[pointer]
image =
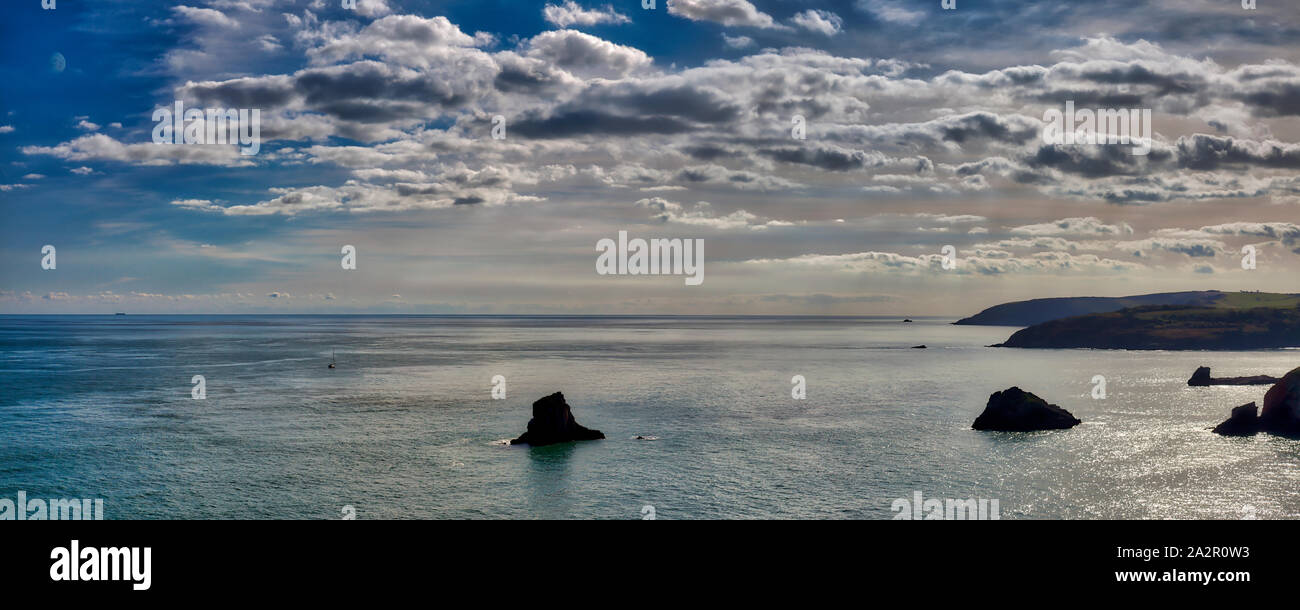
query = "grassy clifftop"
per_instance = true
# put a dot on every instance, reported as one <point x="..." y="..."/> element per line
<point x="1249" y="300"/>
<point x="1036" y="311"/>
<point x="1234" y="321"/>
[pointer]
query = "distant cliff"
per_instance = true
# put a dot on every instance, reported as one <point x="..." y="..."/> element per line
<point x="1036" y="311"/>
<point x="1177" y="327"/>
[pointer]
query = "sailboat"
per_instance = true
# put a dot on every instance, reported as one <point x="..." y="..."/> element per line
<point x="331" y="358"/>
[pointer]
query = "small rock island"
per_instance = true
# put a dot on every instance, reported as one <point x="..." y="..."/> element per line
<point x="1015" y="410"/>
<point x="1202" y="378"/>
<point x="552" y="423"/>
<point x="1244" y="421"/>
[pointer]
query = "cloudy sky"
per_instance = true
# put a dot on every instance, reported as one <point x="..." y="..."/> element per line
<point x="923" y="129"/>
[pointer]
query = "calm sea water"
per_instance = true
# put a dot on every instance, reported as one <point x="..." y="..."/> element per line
<point x="405" y="427"/>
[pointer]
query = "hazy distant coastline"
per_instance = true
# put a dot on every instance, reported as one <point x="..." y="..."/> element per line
<point x="1207" y="320"/>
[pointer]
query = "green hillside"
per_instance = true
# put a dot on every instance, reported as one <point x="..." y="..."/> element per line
<point x="1236" y="321"/>
<point x="1249" y="300"/>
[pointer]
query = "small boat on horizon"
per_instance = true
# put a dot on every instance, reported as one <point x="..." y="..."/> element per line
<point x="331" y="358"/>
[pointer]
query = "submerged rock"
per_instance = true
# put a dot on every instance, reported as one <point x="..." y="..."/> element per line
<point x="1016" y="410"/>
<point x="1202" y="378"/>
<point x="1280" y="415"/>
<point x="552" y="423"/>
<point x="1244" y="421"/>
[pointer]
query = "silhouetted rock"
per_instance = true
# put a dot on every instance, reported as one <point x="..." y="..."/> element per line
<point x="1281" y="412"/>
<point x="1244" y="421"/>
<point x="1202" y="378"/>
<point x="918" y="347"/>
<point x="907" y="320"/>
<point x="1280" y="415"/>
<point x="552" y="423"/>
<point x="1016" y="410"/>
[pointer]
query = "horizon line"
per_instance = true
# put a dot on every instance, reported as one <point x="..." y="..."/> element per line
<point x="502" y="315"/>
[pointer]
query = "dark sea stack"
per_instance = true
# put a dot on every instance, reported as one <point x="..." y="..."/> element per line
<point x="1015" y="410"/>
<point x="552" y="423"/>
<point x="1202" y="378"/>
<point x="1244" y="421"/>
<point x="1281" y="412"/>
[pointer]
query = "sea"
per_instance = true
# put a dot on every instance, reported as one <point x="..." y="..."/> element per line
<point x="406" y="426"/>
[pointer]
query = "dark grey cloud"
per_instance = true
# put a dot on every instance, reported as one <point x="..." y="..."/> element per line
<point x="1091" y="97"/>
<point x="1207" y="152"/>
<point x="971" y="131"/>
<point x="985" y="125"/>
<point x="1280" y="99"/>
<point x="593" y="123"/>
<point x="1165" y="83"/>
<point x="1095" y="161"/>
<point x="263" y="92"/>
<point x="527" y="76"/>
<point x="689" y="102"/>
<point x="822" y="157"/>
<point x="709" y="152"/>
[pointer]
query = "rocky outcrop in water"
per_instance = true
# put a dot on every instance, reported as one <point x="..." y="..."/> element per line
<point x="1280" y="415"/>
<point x="552" y="423"/>
<point x="1244" y="421"/>
<point x="1015" y="410"/>
<point x="1202" y="378"/>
